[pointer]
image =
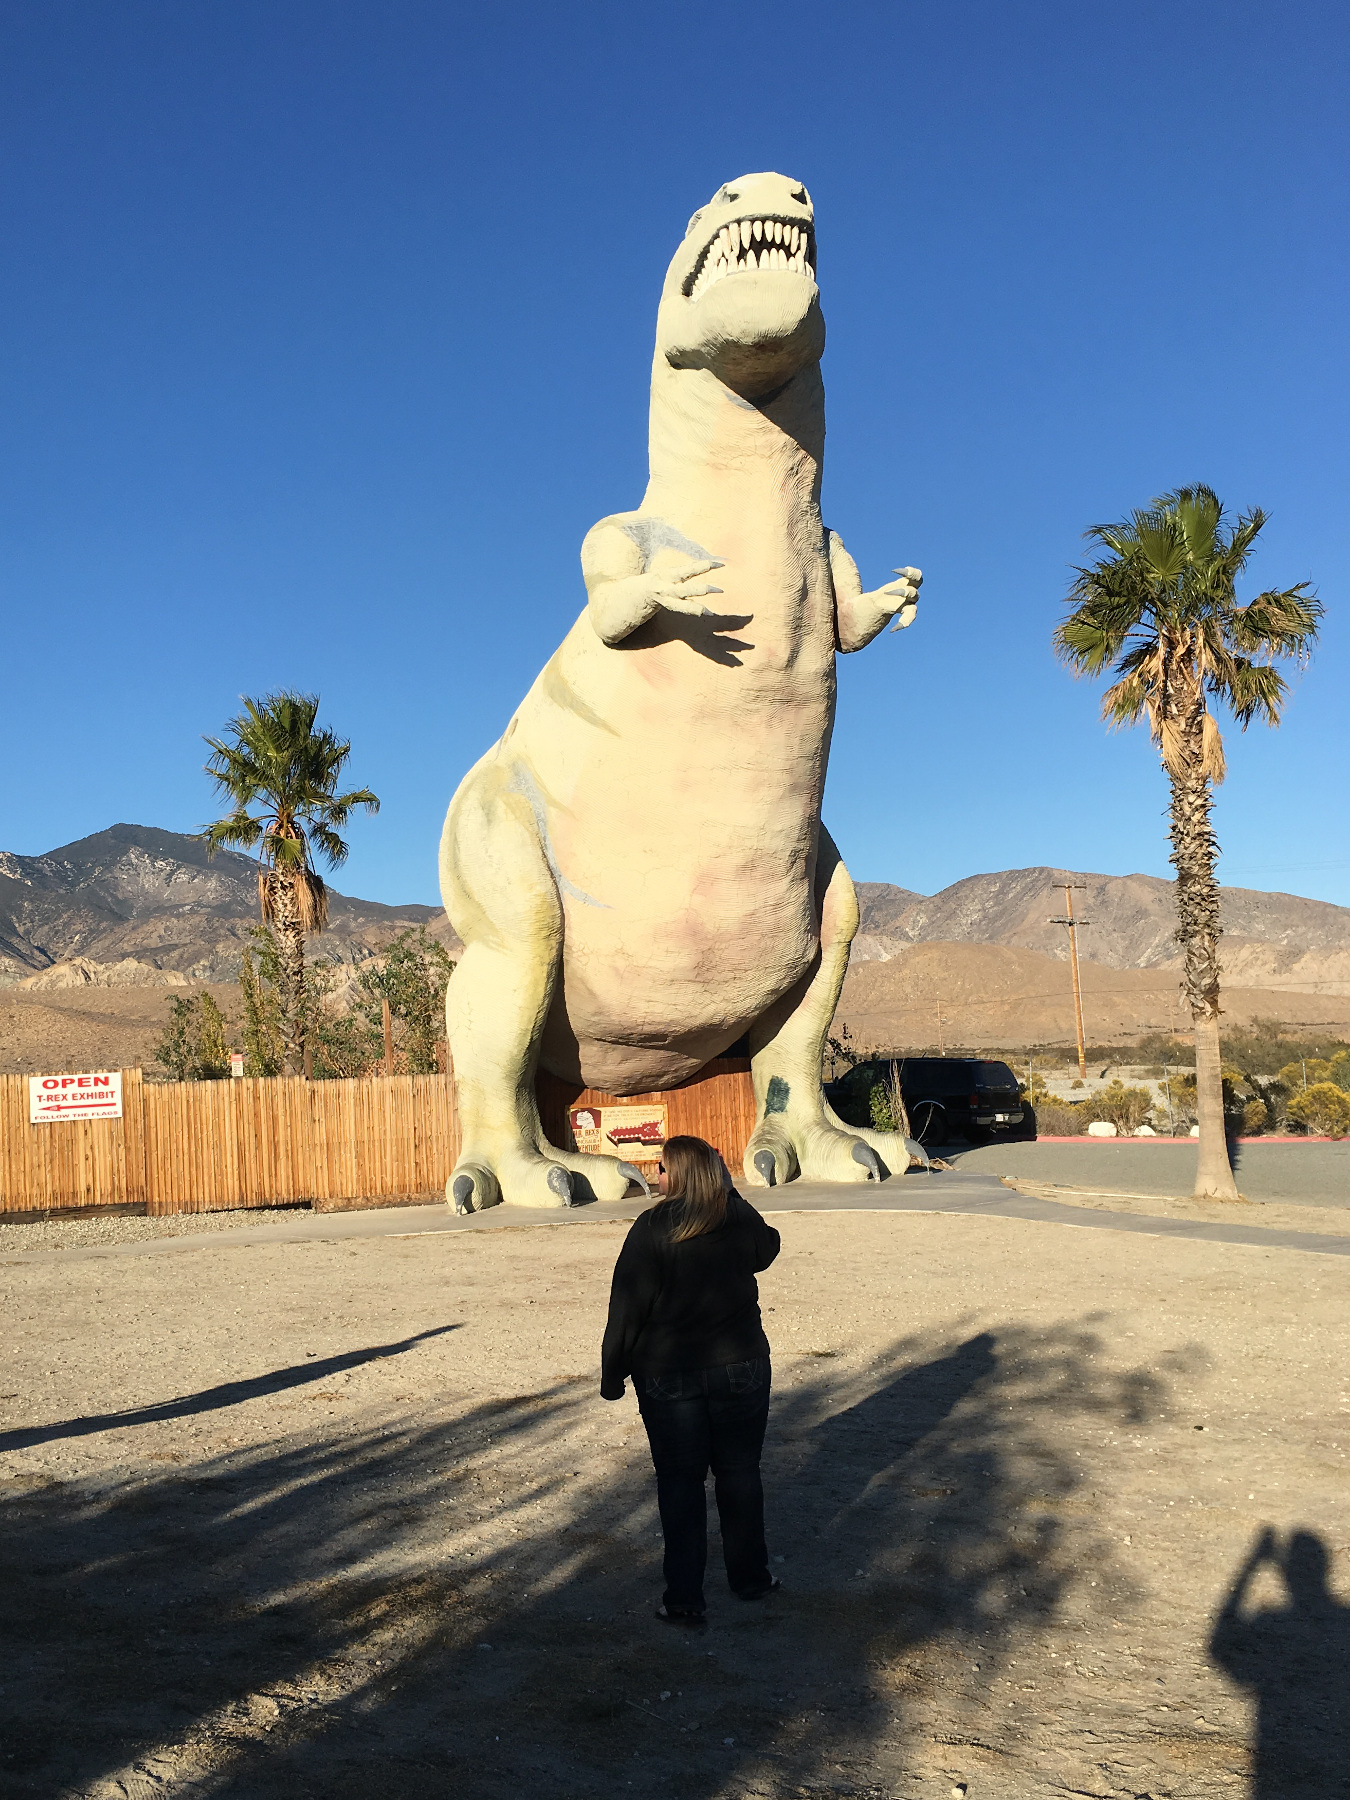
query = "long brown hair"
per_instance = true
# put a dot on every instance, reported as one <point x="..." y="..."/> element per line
<point x="699" y="1200"/>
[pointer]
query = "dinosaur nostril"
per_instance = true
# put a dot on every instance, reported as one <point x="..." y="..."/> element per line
<point x="801" y="196"/>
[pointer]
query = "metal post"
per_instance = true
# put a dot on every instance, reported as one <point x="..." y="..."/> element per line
<point x="386" y="1020"/>
<point x="1171" y="1117"/>
<point x="941" y="1050"/>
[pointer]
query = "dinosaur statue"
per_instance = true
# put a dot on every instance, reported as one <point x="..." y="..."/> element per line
<point x="638" y="867"/>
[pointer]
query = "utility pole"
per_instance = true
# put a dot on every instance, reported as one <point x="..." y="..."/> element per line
<point x="938" y="1007"/>
<point x="387" y="1022"/>
<point x="1073" y="925"/>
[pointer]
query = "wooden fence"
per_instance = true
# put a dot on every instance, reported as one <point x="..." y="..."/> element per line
<point x="209" y="1146"/>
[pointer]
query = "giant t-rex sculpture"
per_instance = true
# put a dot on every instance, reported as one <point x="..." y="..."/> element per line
<point x="638" y="867"/>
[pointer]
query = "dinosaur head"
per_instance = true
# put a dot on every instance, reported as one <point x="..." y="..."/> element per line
<point x="740" y="297"/>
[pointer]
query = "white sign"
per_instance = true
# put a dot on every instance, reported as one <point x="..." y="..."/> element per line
<point x="70" y="1098"/>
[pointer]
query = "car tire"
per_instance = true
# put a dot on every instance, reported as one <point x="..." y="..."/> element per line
<point x="928" y="1122"/>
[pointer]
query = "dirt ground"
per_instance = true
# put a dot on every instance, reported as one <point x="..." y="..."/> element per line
<point x="350" y="1519"/>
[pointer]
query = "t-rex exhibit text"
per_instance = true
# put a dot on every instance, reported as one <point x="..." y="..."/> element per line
<point x="638" y="867"/>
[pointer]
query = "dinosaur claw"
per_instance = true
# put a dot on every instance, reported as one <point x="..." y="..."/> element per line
<point x="765" y="1164"/>
<point x="561" y="1183"/>
<point x="633" y="1173"/>
<point x="867" y="1156"/>
<point x="461" y="1189"/>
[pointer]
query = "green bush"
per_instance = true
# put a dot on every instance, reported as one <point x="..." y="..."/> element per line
<point x="1324" y="1111"/>
<point x="412" y="976"/>
<point x="195" y="1046"/>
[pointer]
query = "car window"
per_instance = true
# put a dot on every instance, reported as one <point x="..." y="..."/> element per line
<point x="930" y="1075"/>
<point x="995" y="1075"/>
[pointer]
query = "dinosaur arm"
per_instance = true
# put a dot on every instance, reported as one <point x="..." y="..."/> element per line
<point x="858" y="617"/>
<point x="623" y="594"/>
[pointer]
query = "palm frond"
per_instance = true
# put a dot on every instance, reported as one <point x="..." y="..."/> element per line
<point x="1255" y="690"/>
<point x="1280" y="622"/>
<point x="240" y="831"/>
<point x="1211" y="751"/>
<point x="1127" y="701"/>
<point x="273" y="758"/>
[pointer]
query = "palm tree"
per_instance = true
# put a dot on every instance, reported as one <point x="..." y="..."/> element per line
<point x="1160" y="609"/>
<point x="273" y="759"/>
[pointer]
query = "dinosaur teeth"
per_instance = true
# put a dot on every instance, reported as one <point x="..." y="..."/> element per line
<point x="747" y="245"/>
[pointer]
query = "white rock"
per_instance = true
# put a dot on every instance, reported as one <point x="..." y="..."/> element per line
<point x="1145" y="1131"/>
<point x="1101" y="1128"/>
<point x="1195" y="1131"/>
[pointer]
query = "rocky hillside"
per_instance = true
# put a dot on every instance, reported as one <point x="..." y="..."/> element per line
<point x="971" y="995"/>
<point x="134" y="906"/>
<point x="1270" y="940"/>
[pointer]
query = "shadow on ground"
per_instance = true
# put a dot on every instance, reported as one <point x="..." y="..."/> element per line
<point x="460" y="1601"/>
<point x="1294" y="1659"/>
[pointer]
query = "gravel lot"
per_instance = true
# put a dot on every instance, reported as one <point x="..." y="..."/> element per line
<point x="349" y="1518"/>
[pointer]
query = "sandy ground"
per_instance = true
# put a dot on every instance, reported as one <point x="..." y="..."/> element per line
<point x="349" y="1519"/>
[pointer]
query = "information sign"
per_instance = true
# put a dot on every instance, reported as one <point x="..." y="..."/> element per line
<point x="635" y="1133"/>
<point x="66" y="1099"/>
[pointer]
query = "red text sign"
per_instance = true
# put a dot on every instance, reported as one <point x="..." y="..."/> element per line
<point x="57" y="1099"/>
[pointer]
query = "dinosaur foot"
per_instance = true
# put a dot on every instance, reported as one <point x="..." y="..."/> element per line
<point x="598" y="1177"/>
<point x="520" y="1180"/>
<point x="779" y="1152"/>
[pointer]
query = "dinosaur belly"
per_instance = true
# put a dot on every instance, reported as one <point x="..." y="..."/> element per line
<point x="684" y="857"/>
<point x="650" y="992"/>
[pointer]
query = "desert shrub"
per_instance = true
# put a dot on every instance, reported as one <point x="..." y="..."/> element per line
<point x="1056" y="1118"/>
<point x="879" y="1107"/>
<point x="1255" y="1118"/>
<point x="1126" y="1107"/>
<point x="1324" y="1111"/>
<point x="195" y="1046"/>
<point x="1315" y="1068"/>
<point x="1340" y="1070"/>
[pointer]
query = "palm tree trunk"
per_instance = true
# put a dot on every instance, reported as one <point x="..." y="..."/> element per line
<point x="1193" y="853"/>
<point x="290" y="936"/>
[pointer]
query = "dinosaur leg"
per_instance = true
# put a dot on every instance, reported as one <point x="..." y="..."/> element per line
<point x="502" y="894"/>
<point x="797" y="1134"/>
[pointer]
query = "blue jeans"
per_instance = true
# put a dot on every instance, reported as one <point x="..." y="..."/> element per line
<point x="696" y="1420"/>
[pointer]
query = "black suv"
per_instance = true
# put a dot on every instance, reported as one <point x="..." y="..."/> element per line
<point x="946" y="1097"/>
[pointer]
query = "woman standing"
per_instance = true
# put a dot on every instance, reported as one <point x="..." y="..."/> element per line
<point x="684" y="1323"/>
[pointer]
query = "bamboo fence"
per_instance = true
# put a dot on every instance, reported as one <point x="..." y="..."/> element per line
<point x="208" y="1146"/>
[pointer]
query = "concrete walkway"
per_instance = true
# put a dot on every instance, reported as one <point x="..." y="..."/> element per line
<point x="952" y="1192"/>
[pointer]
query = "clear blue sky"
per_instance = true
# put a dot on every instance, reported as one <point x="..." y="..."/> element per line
<point x="327" y="336"/>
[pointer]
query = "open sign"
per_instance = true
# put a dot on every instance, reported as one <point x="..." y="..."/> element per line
<point x="56" y="1099"/>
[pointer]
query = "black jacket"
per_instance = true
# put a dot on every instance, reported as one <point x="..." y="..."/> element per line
<point x="693" y="1305"/>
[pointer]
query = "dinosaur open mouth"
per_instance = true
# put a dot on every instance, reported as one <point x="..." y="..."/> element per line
<point x="751" y="244"/>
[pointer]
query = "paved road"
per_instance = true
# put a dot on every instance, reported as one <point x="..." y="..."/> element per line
<point x="951" y="1192"/>
<point x="1301" y="1174"/>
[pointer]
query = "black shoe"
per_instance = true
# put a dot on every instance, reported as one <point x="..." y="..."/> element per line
<point x="759" y="1592"/>
<point x="681" y="1615"/>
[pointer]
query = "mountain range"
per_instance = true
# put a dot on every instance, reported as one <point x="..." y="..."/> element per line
<point x="1128" y="922"/>
<point x="92" y="933"/>
<point x="135" y="906"/>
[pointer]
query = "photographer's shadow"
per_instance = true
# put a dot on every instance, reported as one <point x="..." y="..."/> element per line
<point x="1296" y="1661"/>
